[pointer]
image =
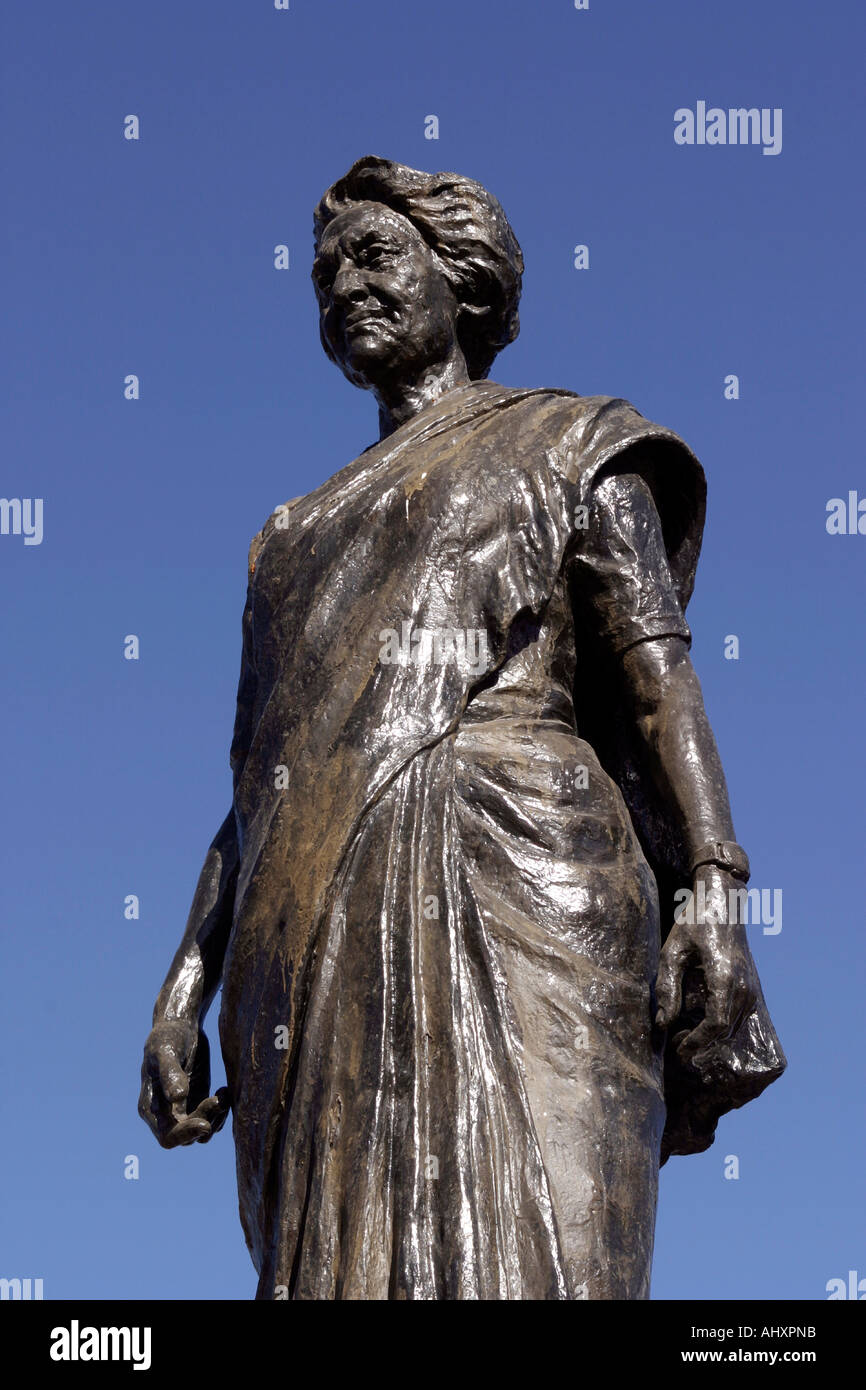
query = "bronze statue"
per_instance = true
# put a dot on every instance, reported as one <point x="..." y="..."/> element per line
<point x="471" y="766"/>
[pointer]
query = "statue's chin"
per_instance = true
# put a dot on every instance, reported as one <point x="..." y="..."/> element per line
<point x="372" y="369"/>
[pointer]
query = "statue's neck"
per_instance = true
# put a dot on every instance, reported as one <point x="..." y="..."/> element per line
<point x="401" y="402"/>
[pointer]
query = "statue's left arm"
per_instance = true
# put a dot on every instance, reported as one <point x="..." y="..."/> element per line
<point x="664" y="696"/>
<point x="629" y="594"/>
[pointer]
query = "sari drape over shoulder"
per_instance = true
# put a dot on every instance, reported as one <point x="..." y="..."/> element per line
<point x="437" y="998"/>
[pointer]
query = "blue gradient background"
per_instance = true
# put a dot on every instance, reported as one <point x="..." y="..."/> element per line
<point x="156" y="258"/>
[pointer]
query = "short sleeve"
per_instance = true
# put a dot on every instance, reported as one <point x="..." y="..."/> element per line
<point x="619" y="573"/>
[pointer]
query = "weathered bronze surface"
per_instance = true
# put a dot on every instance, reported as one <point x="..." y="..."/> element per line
<point x="471" y="766"/>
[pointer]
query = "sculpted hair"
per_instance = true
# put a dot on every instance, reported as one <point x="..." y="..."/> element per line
<point x="466" y="227"/>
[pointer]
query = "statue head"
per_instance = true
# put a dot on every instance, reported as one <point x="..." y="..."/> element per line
<point x="407" y="263"/>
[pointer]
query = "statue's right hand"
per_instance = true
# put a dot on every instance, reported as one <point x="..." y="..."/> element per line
<point x="175" y="1079"/>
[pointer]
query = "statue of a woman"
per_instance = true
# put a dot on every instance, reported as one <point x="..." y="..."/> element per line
<point x="471" y="766"/>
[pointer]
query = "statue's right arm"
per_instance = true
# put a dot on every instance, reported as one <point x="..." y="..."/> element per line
<point x="175" y="1074"/>
<point x="196" y="970"/>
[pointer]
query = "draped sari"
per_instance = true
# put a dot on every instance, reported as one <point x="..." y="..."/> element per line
<point x="437" y="998"/>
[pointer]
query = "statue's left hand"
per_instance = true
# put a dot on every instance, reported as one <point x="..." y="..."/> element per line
<point x="715" y="945"/>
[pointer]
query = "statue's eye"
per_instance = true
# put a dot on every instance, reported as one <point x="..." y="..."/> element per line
<point x="374" y="255"/>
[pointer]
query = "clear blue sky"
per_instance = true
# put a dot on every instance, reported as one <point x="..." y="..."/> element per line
<point x="155" y="257"/>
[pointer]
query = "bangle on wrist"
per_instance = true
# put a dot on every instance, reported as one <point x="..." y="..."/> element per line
<point x="725" y="854"/>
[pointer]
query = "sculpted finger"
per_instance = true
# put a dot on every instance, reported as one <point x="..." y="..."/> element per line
<point x="154" y="1110"/>
<point x="745" y="993"/>
<point x="215" y="1110"/>
<point x="187" y="1129"/>
<point x="184" y="1133"/>
<point x="669" y="984"/>
<point x="145" y="1103"/>
<point x="696" y="1045"/>
<point x="173" y="1079"/>
<point x="732" y="997"/>
<point x="743" y="1003"/>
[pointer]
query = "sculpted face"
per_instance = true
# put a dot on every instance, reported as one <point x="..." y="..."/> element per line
<point x="386" y="309"/>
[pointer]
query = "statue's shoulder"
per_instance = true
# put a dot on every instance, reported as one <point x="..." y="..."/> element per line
<point x="570" y="411"/>
<point x="256" y="544"/>
<point x="276" y="522"/>
<point x="585" y="412"/>
<point x="578" y="433"/>
<point x="588" y="433"/>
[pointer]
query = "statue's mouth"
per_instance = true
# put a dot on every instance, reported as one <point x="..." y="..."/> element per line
<point x="361" y="320"/>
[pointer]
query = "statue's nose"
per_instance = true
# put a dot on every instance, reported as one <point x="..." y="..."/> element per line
<point x="349" y="287"/>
